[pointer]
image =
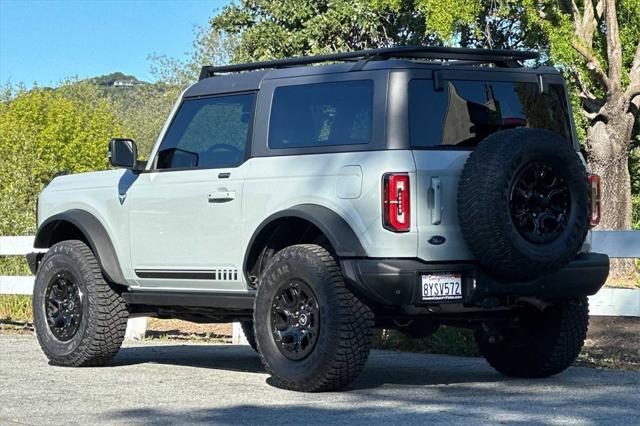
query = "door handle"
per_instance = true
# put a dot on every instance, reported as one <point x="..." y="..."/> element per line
<point x="221" y="196"/>
<point x="436" y="212"/>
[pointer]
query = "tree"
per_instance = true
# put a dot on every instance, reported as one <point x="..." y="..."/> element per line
<point x="42" y="132"/>
<point x="595" y="42"/>
<point x="143" y="111"/>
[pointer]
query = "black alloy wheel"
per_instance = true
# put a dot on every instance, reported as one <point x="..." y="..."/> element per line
<point x="539" y="203"/>
<point x="312" y="333"/>
<point x="63" y="306"/>
<point x="295" y="320"/>
<point x="79" y="318"/>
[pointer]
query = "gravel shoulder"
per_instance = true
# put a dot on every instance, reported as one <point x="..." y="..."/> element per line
<point x="156" y="382"/>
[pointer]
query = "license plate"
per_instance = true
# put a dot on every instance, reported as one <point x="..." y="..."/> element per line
<point x="441" y="287"/>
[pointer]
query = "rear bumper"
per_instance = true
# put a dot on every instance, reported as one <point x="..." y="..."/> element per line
<point x="396" y="282"/>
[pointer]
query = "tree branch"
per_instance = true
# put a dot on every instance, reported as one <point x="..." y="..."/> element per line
<point x="632" y="91"/>
<point x="585" y="24"/>
<point x="614" y="51"/>
<point x="634" y="73"/>
<point x="591" y="105"/>
<point x="593" y="65"/>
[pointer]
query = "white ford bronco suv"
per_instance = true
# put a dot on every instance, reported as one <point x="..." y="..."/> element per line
<point x="404" y="187"/>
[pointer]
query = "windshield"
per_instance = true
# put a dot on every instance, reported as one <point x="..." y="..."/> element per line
<point x="466" y="112"/>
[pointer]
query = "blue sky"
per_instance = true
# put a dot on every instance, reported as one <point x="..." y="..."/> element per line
<point x="46" y="41"/>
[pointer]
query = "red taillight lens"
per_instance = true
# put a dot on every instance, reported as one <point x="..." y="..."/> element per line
<point x="594" y="185"/>
<point x="396" y="196"/>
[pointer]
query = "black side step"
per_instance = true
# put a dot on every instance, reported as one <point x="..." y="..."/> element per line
<point x="210" y="300"/>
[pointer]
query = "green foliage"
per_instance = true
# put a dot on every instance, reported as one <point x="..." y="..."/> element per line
<point x="15" y="308"/>
<point x="45" y="131"/>
<point x="14" y="265"/>
<point x="270" y="30"/>
<point x="447" y="340"/>
<point x="143" y="110"/>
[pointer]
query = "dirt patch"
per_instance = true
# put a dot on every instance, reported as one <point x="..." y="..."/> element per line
<point x="171" y="329"/>
<point x="15" y="327"/>
<point x="612" y="342"/>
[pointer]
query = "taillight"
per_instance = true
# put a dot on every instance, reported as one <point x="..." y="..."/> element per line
<point x="594" y="185"/>
<point x="396" y="196"/>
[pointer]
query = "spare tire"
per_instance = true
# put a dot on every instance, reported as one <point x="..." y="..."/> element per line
<point x="523" y="203"/>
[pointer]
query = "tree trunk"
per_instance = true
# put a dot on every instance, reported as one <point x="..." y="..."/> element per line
<point x="608" y="148"/>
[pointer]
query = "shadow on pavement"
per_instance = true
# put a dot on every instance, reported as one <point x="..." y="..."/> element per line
<point x="383" y="367"/>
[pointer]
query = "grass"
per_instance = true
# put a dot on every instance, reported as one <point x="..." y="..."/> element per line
<point x="14" y="265"/>
<point x="15" y="308"/>
<point x="445" y="341"/>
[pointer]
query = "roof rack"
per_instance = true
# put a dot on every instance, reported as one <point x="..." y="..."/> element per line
<point x="502" y="58"/>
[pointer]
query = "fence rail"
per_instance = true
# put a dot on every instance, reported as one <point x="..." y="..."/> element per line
<point x="616" y="244"/>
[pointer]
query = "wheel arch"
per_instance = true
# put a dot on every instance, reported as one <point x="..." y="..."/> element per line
<point x="308" y="222"/>
<point x="82" y="225"/>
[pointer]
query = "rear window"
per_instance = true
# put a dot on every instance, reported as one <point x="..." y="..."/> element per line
<point x="466" y="112"/>
<point x="319" y="115"/>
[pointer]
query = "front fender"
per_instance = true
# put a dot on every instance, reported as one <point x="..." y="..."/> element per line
<point x="52" y="230"/>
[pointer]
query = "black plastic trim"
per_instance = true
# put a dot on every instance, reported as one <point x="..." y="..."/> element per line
<point x="344" y="241"/>
<point x="174" y="298"/>
<point x="95" y="234"/>
<point x="396" y="282"/>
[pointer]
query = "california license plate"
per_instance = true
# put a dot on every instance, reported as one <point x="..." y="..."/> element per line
<point x="441" y="287"/>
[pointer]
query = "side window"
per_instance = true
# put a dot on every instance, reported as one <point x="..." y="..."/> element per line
<point x="323" y="114"/>
<point x="208" y="133"/>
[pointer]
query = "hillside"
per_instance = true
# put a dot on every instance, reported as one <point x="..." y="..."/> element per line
<point x="117" y="79"/>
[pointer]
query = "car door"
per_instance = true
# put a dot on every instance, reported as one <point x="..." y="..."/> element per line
<point x="185" y="211"/>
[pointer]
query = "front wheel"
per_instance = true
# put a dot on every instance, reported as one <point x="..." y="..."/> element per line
<point x="538" y="343"/>
<point x="313" y="334"/>
<point x="80" y="319"/>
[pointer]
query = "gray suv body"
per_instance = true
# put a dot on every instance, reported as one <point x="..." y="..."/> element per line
<point x="400" y="188"/>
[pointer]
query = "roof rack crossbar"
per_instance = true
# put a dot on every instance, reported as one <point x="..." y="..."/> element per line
<point x="506" y="58"/>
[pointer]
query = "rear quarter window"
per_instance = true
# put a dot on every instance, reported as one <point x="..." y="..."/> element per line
<point x="466" y="112"/>
<point x="322" y="114"/>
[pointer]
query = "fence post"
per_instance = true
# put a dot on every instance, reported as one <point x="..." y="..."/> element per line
<point x="238" y="337"/>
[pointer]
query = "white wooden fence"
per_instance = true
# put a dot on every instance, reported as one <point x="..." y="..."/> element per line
<point x="608" y="301"/>
<point x="12" y="246"/>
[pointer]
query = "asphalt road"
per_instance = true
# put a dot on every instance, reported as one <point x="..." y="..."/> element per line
<point x="158" y="383"/>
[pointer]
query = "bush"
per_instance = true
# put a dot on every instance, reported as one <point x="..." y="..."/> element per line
<point x="45" y="131"/>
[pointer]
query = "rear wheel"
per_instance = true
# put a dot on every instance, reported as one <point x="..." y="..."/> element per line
<point x="80" y="320"/>
<point x="313" y="334"/>
<point x="538" y="343"/>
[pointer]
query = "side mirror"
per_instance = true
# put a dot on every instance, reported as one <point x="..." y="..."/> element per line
<point x="123" y="153"/>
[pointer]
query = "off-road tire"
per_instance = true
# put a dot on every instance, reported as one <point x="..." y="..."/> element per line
<point x="484" y="207"/>
<point x="344" y="338"/>
<point x="554" y="342"/>
<point x="104" y="320"/>
<point x="249" y="334"/>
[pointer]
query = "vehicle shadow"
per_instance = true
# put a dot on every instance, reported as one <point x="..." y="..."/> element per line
<point x="383" y="367"/>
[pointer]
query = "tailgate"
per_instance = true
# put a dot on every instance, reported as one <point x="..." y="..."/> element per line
<point x="439" y="236"/>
